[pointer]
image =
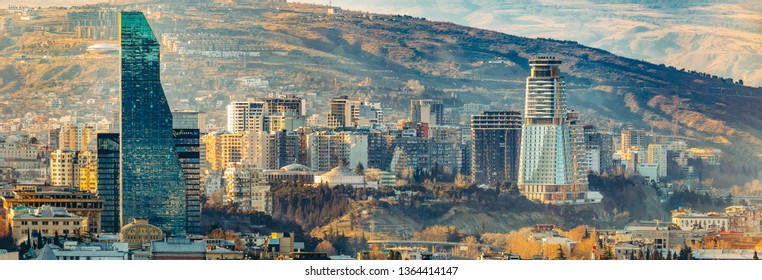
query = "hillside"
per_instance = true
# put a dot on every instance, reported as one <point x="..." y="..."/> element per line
<point x="375" y="56"/>
<point x="720" y="37"/>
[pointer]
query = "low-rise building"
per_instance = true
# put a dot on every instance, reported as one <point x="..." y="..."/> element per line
<point x="178" y="249"/>
<point x="80" y="203"/>
<point x="224" y="254"/>
<point x="45" y="220"/>
<point x="342" y="175"/>
<point x="686" y="219"/>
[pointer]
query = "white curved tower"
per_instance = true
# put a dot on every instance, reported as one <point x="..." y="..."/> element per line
<point x="548" y="164"/>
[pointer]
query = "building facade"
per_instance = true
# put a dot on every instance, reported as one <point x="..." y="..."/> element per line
<point x="548" y="170"/>
<point x="495" y="142"/>
<point x="109" y="188"/>
<point x="428" y="111"/>
<point x="151" y="173"/>
<point x="245" y="116"/>
<point x="188" y="144"/>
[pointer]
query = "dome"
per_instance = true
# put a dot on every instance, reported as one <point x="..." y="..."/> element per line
<point x="295" y="167"/>
<point x="340" y="171"/>
<point x="12" y="139"/>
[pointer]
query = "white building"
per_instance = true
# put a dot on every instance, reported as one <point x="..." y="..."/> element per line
<point x="549" y="158"/>
<point x="248" y="188"/>
<point x="342" y="175"/>
<point x="245" y="116"/>
<point x="689" y="220"/>
<point x="657" y="154"/>
<point x="649" y="171"/>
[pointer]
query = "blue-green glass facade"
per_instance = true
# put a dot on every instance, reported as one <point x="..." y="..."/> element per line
<point x="153" y="185"/>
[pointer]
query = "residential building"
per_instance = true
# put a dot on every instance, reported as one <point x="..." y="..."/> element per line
<point x="285" y="105"/>
<point x="495" y="143"/>
<point x="151" y="173"/>
<point x="428" y="111"/>
<point x="414" y="154"/>
<point x="633" y="140"/>
<point x="658" y="154"/>
<point x="222" y="148"/>
<point x="686" y="219"/>
<point x="270" y="150"/>
<point x="247" y="188"/>
<point x="593" y="147"/>
<point x="245" y="116"/>
<point x="330" y="149"/>
<point x="343" y="112"/>
<point x="74" y="169"/>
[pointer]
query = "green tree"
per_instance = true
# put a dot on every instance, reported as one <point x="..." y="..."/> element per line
<point x="562" y="254"/>
<point x="686" y="253"/>
<point x="360" y="169"/>
<point x="57" y="240"/>
<point x="40" y="243"/>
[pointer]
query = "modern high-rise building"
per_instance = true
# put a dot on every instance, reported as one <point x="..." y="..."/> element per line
<point x="658" y="154"/>
<point x="495" y="142"/>
<point x="245" y="116"/>
<point x="593" y="143"/>
<point x="327" y="150"/>
<point x="247" y="188"/>
<point x="76" y="137"/>
<point x="108" y="181"/>
<point x="187" y="142"/>
<point x="287" y="106"/>
<point x="427" y="111"/>
<point x="222" y="148"/>
<point x="548" y="165"/>
<point x="152" y="180"/>
<point x="269" y="150"/>
<point x="344" y="112"/>
<point x="74" y="169"/>
<point x="633" y="140"/>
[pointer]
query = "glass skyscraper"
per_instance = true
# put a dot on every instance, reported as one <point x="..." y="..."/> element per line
<point x="108" y="181"/>
<point x="153" y="184"/>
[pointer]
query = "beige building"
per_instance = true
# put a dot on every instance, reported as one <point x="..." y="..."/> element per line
<point x="248" y="188"/>
<point x="657" y="154"/>
<point x="222" y="148"/>
<point x="46" y="220"/>
<point x="77" y="137"/>
<point x="633" y="140"/>
<point x="74" y="169"/>
<point x="686" y="219"/>
<point x="84" y="204"/>
<point x="139" y="232"/>
<point x="223" y="254"/>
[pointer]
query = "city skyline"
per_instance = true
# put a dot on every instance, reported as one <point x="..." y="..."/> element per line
<point x="275" y="130"/>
